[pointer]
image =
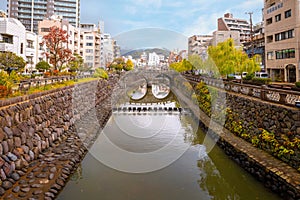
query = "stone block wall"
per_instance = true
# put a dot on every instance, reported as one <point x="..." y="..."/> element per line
<point x="31" y="124"/>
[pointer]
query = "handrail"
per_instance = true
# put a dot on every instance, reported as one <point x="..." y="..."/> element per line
<point x="25" y="85"/>
<point x="264" y="93"/>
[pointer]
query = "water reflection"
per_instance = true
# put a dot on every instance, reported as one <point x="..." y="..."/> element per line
<point x="137" y="89"/>
<point x="161" y="87"/>
<point x="195" y="175"/>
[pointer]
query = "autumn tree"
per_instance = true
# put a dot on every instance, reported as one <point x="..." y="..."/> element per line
<point x="129" y="65"/>
<point x="56" y="41"/>
<point x="117" y="64"/>
<point x="10" y="61"/>
<point x="181" y="66"/>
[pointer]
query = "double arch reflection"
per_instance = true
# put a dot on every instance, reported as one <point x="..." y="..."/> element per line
<point x="160" y="88"/>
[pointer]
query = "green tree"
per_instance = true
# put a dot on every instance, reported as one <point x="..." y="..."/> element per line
<point x="10" y="61"/>
<point x="229" y="59"/>
<point x="43" y="65"/>
<point x="76" y="64"/>
<point x="196" y="61"/>
<point x="101" y="73"/>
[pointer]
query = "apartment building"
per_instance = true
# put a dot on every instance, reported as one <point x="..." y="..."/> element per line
<point x="282" y="33"/>
<point x="58" y="21"/>
<point x="221" y="36"/>
<point x="90" y="45"/>
<point x="228" y="23"/>
<point x="14" y="38"/>
<point x="30" y="12"/>
<point x="198" y="44"/>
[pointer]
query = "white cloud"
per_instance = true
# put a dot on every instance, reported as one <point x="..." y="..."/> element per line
<point x="204" y="24"/>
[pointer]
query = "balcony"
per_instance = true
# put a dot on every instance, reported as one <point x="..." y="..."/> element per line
<point x="5" y="47"/>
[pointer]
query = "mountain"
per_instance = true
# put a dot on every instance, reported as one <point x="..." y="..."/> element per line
<point x="136" y="54"/>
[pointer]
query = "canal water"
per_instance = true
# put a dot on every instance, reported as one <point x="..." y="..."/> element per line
<point x="131" y="174"/>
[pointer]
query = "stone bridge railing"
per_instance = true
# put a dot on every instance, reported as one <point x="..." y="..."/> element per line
<point x="27" y="84"/>
<point x="282" y="97"/>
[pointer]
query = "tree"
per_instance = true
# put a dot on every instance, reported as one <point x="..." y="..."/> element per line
<point x="57" y="53"/>
<point x="101" y="73"/>
<point x="182" y="66"/>
<point x="10" y="61"/>
<point x="76" y="64"/>
<point x="129" y="65"/>
<point x="117" y="64"/>
<point x="229" y="59"/>
<point x="196" y="61"/>
<point x="43" y="65"/>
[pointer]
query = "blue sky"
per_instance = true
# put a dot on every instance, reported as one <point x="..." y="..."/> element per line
<point x="187" y="17"/>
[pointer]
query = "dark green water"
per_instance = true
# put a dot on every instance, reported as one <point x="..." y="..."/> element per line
<point x="195" y="175"/>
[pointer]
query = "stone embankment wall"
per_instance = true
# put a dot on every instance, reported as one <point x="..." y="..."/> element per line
<point x="31" y="125"/>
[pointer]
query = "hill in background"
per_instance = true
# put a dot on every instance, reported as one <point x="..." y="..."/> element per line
<point x="136" y="54"/>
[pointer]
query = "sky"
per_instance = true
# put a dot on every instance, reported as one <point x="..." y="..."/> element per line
<point x="186" y="17"/>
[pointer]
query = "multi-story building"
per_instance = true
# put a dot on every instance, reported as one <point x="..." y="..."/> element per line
<point x="198" y="45"/>
<point x="30" y="12"/>
<point x="108" y="49"/>
<point x="45" y="25"/>
<point x="228" y="23"/>
<point x="221" y="36"/>
<point x="14" y="38"/>
<point x="117" y="49"/>
<point x="282" y="33"/>
<point x="256" y="45"/>
<point x="90" y="45"/>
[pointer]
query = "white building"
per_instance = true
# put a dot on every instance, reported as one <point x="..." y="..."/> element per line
<point x="108" y="49"/>
<point x="12" y="36"/>
<point x="34" y="51"/>
<point x="154" y="59"/>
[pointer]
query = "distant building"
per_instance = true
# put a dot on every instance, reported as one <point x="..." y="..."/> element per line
<point x="154" y="59"/>
<point x="221" y="36"/>
<point x="90" y="45"/>
<point x="257" y="45"/>
<point x="228" y="23"/>
<point x="282" y="33"/>
<point x="198" y="44"/>
<point x="30" y="12"/>
<point x="108" y="49"/>
<point x="117" y="49"/>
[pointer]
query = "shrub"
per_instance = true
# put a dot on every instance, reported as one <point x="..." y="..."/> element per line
<point x="249" y="77"/>
<point x="4" y="91"/>
<point x="261" y="81"/>
<point x="297" y="84"/>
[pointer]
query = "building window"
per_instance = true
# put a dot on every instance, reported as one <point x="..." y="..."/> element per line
<point x="89" y="58"/>
<point x="284" y="35"/>
<point x="288" y="13"/>
<point x="89" y="51"/>
<point x="89" y="44"/>
<point x="269" y="38"/>
<point x="269" y="21"/>
<point x="45" y="29"/>
<point x="278" y="18"/>
<point x="286" y="53"/>
<point x="89" y="37"/>
<point x="22" y="48"/>
<point x="270" y="55"/>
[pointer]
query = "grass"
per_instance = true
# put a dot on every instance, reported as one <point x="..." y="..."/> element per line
<point x="33" y="90"/>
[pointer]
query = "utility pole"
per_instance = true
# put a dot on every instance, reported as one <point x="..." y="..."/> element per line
<point x="251" y="33"/>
